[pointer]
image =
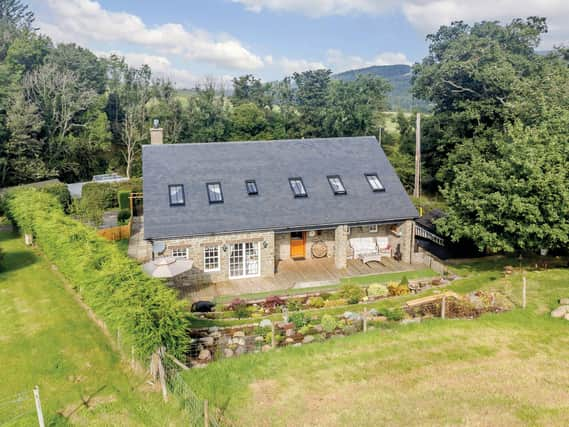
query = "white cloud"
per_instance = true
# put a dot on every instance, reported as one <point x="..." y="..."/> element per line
<point x="338" y="61"/>
<point x="317" y="8"/>
<point x="289" y="66"/>
<point x="88" y="20"/>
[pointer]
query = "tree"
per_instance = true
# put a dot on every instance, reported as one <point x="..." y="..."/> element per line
<point x="207" y="119"/>
<point x="248" y="121"/>
<point x="249" y="89"/>
<point x="22" y="154"/>
<point x="16" y="14"/>
<point x="311" y="99"/>
<point x="511" y="192"/>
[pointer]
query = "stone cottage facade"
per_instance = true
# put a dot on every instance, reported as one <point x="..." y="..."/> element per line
<point x="237" y="209"/>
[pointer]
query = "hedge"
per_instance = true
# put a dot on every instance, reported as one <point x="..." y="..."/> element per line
<point x="123" y="197"/>
<point x="146" y="312"/>
<point x="104" y="194"/>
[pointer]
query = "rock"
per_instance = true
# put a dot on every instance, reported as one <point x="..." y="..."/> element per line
<point x="564" y="301"/>
<point x="238" y="334"/>
<point x="240" y="350"/>
<point x="204" y="355"/>
<point x="347" y="314"/>
<point x="228" y="352"/>
<point x="318" y="328"/>
<point x="560" y="311"/>
<point x="259" y="339"/>
<point x="373" y="312"/>
<point x="265" y="323"/>
<point x="289" y="332"/>
<point x="350" y="315"/>
<point x="298" y="344"/>
<point x="213" y="329"/>
<point x="307" y="339"/>
<point x="266" y="347"/>
<point x="239" y="341"/>
<point x="379" y="319"/>
<point x="289" y="340"/>
<point x="215" y="334"/>
<point x="412" y="320"/>
<point x="567" y="316"/>
<point x="207" y="341"/>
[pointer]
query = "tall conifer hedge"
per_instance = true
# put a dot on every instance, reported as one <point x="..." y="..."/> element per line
<point x="147" y="313"/>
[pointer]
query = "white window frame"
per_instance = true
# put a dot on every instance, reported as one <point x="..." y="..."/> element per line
<point x="374" y="228"/>
<point x="205" y="257"/>
<point x="245" y="264"/>
<point x="180" y="255"/>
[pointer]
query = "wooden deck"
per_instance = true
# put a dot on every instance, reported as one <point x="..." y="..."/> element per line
<point x="296" y="274"/>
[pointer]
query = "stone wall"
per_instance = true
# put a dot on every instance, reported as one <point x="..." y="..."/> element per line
<point x="196" y="245"/>
<point x="407" y="241"/>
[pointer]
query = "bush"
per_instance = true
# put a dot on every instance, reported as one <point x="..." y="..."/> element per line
<point x="377" y="290"/>
<point x="147" y="313"/>
<point x="123" y="198"/>
<point x="273" y="302"/>
<point x="328" y="323"/>
<point x="335" y="302"/>
<point x="395" y="314"/>
<point x="293" y="305"/>
<point x="61" y="192"/>
<point x="404" y="281"/>
<point x="298" y="319"/>
<point x="316" y="302"/>
<point x="96" y="197"/>
<point x="396" y="289"/>
<point x="305" y="330"/>
<point x="123" y="216"/>
<point x="352" y="293"/>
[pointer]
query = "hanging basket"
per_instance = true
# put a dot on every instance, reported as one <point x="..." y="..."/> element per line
<point x="319" y="249"/>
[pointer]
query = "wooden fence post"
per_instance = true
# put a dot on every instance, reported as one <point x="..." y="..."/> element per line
<point x="162" y="373"/>
<point x="273" y="338"/>
<point x="365" y="319"/>
<point x="38" y="406"/>
<point x="444" y="307"/>
<point x="524" y="293"/>
<point x="205" y="414"/>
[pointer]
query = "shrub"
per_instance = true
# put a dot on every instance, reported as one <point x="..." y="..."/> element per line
<point x="269" y="338"/>
<point x="298" y="319"/>
<point x="147" y="313"/>
<point x="316" y="302"/>
<point x="396" y="289"/>
<point x="123" y="198"/>
<point x="377" y="290"/>
<point x="395" y="314"/>
<point x="61" y="192"/>
<point x="335" y="302"/>
<point x="352" y="293"/>
<point x="328" y="323"/>
<point x="273" y="302"/>
<point x="123" y="216"/>
<point x="293" y="305"/>
<point x="404" y="281"/>
<point x="305" y="330"/>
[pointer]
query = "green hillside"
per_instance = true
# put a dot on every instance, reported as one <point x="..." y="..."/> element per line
<point x="399" y="76"/>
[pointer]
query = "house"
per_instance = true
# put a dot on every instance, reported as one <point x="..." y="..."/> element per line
<point x="237" y="209"/>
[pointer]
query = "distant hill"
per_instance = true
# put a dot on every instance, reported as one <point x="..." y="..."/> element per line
<point x="399" y="76"/>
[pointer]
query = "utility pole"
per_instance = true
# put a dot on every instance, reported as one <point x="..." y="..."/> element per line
<point x="380" y="132"/>
<point x="417" y="189"/>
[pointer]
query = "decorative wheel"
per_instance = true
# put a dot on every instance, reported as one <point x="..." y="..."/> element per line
<point x="319" y="249"/>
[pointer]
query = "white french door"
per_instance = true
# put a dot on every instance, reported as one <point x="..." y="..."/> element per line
<point x="244" y="260"/>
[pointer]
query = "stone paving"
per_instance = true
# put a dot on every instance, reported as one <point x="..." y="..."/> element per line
<point x="138" y="248"/>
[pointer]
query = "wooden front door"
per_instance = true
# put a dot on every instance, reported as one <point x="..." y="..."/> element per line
<point x="298" y="244"/>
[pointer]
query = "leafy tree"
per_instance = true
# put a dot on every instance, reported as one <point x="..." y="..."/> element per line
<point x="248" y="122"/>
<point x="16" y="14"/>
<point x="311" y="99"/>
<point x="207" y="119"/>
<point x="249" y="89"/>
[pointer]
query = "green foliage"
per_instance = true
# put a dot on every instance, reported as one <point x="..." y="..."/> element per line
<point x="298" y="319"/>
<point x="377" y="290"/>
<point x="328" y="323"/>
<point x="99" y="196"/>
<point x="316" y="302"/>
<point x="123" y="216"/>
<point x="305" y="329"/>
<point x="2" y="256"/>
<point x="146" y="312"/>
<point x="396" y="289"/>
<point x="352" y="293"/>
<point x="123" y="197"/>
<point x="293" y="305"/>
<point x="404" y="281"/>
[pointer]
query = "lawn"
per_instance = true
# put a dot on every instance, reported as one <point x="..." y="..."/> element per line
<point x="501" y="369"/>
<point x="48" y="340"/>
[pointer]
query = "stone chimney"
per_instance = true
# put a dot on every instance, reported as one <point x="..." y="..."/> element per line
<point x="156" y="133"/>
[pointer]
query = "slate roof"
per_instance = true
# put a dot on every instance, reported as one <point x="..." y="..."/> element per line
<point x="271" y="164"/>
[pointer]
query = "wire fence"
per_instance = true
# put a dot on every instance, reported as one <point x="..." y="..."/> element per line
<point x="17" y="407"/>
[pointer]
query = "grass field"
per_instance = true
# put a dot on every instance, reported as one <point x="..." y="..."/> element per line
<point x="499" y="370"/>
<point x="48" y="340"/>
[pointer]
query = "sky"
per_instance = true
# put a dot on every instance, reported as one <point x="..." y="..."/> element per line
<point x="189" y="40"/>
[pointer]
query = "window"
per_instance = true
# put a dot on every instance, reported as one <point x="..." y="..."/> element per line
<point x="251" y="186"/>
<point x="297" y="187"/>
<point x="180" y="253"/>
<point x="244" y="260"/>
<point x="374" y="182"/>
<point x="373" y="228"/>
<point x="214" y="192"/>
<point x="211" y="258"/>
<point x="176" y="194"/>
<point x="337" y="184"/>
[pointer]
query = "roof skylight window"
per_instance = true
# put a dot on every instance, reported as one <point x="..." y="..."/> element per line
<point x="176" y="195"/>
<point x="214" y="193"/>
<point x="374" y="182"/>
<point x="337" y="184"/>
<point x="297" y="187"/>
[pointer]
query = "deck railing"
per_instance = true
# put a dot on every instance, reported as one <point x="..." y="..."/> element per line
<point x="426" y="234"/>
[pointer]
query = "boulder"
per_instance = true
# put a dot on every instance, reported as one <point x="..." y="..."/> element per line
<point x="207" y="341"/>
<point x="259" y="339"/>
<point x="215" y="334"/>
<point x="373" y="312"/>
<point x="289" y="340"/>
<point x="567" y="316"/>
<point x="238" y="334"/>
<point x="564" y="301"/>
<point x="560" y="311"/>
<point x="289" y="332"/>
<point x="266" y="347"/>
<point x="240" y="350"/>
<point x="228" y="352"/>
<point x="265" y="323"/>
<point x="204" y="355"/>
<point x="307" y="339"/>
<point x="318" y="328"/>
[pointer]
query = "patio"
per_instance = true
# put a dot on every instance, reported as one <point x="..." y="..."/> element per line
<point x="295" y="274"/>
